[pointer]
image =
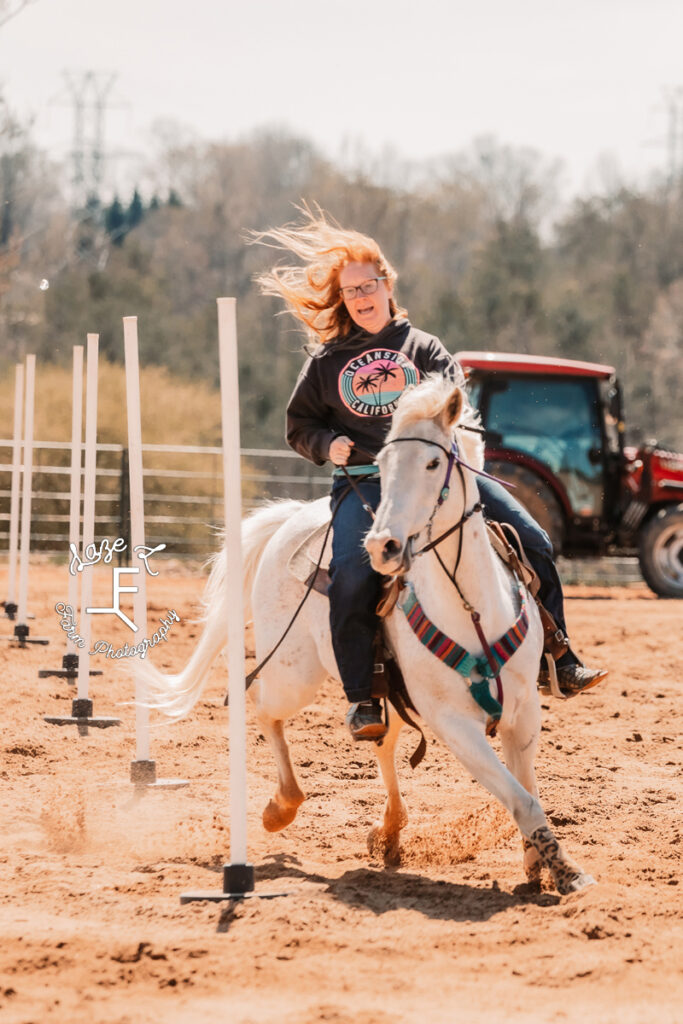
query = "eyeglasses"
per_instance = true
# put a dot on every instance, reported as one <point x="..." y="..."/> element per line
<point x="366" y="288"/>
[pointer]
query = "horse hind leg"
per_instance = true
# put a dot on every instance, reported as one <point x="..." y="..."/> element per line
<point x="383" y="837"/>
<point x="281" y="810"/>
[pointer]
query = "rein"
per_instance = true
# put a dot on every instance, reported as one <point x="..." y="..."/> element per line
<point x="454" y="460"/>
<point x="254" y="672"/>
<point x="479" y="690"/>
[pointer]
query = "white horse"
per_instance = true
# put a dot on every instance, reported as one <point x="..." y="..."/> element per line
<point x="415" y="505"/>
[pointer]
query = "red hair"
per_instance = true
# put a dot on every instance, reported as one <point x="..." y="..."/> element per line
<point x="311" y="291"/>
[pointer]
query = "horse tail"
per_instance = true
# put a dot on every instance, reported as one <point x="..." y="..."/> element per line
<point x="176" y="694"/>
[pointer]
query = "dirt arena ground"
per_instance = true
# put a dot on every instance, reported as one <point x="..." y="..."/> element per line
<point x="92" y="927"/>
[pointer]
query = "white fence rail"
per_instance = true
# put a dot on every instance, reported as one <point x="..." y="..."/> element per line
<point x="183" y="492"/>
<point x="186" y="521"/>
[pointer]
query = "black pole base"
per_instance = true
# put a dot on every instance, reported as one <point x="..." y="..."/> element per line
<point x="238" y="878"/>
<point x="21" y="635"/>
<point x="143" y="775"/>
<point x="68" y="671"/>
<point x="238" y="884"/>
<point x="10" y="610"/>
<point x="81" y="716"/>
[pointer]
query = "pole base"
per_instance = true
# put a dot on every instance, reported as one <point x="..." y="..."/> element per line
<point x="68" y="671"/>
<point x="21" y="635"/>
<point x="238" y="884"/>
<point x="143" y="775"/>
<point x="224" y="897"/>
<point x="81" y="715"/>
<point x="10" y="610"/>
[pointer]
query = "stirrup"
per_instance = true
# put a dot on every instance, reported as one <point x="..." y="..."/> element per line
<point x="553" y="686"/>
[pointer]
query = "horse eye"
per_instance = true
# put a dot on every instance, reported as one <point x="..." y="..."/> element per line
<point x="434" y="464"/>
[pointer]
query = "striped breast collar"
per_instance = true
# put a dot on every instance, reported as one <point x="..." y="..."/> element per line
<point x="459" y="659"/>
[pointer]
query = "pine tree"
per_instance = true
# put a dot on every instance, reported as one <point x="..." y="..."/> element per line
<point x="135" y="212"/>
<point x="115" y="221"/>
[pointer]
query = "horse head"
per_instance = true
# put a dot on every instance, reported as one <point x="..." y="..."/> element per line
<point x="417" y="476"/>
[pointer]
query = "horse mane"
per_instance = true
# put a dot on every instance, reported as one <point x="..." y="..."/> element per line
<point x="426" y="401"/>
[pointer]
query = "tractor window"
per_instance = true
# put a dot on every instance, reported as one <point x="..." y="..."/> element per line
<point x="555" y="420"/>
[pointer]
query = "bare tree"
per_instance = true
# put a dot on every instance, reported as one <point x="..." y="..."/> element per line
<point x="10" y="8"/>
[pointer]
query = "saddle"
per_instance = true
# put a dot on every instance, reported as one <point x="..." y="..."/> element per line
<point x="310" y="566"/>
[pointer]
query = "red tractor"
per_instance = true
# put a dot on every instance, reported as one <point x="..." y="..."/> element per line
<point x="554" y="428"/>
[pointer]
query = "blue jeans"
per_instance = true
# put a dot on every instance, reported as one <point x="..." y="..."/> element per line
<point x="355" y="587"/>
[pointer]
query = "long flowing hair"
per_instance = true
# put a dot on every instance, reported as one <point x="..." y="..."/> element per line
<point x="311" y="291"/>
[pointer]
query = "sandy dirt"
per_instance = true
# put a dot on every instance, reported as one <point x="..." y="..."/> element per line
<point x="91" y="924"/>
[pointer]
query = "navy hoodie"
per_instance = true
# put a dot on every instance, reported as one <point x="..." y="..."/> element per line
<point x="351" y="387"/>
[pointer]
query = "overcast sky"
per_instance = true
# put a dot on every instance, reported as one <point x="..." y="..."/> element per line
<point x="583" y="82"/>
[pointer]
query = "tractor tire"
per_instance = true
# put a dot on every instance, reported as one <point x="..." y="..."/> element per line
<point x="660" y="552"/>
<point x="536" y="496"/>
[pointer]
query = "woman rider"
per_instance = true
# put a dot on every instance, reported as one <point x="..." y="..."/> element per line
<point x="365" y="352"/>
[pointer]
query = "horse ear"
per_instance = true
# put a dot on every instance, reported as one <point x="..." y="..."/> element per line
<point x="453" y="407"/>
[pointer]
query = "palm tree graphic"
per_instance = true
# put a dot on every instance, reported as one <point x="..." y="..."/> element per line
<point x="367" y="383"/>
<point x="385" y="371"/>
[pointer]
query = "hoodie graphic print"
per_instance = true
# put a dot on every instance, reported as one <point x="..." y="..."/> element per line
<point x="351" y="387"/>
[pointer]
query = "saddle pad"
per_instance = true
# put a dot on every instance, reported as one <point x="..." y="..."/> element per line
<point x="305" y="557"/>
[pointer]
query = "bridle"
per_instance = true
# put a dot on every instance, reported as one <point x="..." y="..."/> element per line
<point x="455" y="461"/>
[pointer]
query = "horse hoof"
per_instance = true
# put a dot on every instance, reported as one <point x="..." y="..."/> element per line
<point x="575" y="884"/>
<point x="276" y="816"/>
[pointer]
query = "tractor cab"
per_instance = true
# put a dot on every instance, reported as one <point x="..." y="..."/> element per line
<point x="554" y="430"/>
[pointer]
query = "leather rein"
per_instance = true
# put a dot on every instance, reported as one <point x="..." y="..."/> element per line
<point x="454" y="460"/>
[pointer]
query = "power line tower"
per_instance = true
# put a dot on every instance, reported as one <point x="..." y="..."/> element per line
<point x="673" y="141"/>
<point x="674" y="144"/>
<point x="88" y="94"/>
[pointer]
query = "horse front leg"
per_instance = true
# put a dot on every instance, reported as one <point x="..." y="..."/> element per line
<point x="383" y="837"/>
<point x="281" y="810"/>
<point x="520" y="743"/>
<point x="467" y="740"/>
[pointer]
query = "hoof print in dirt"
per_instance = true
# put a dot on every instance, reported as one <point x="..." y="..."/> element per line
<point x="383" y="847"/>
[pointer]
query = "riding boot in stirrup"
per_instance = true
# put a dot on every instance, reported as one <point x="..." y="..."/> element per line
<point x="365" y="720"/>
<point x="572" y="679"/>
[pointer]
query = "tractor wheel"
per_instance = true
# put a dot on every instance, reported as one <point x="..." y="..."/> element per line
<point x="536" y="496"/>
<point x="661" y="552"/>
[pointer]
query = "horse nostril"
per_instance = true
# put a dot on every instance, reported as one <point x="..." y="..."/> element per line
<point x="392" y="548"/>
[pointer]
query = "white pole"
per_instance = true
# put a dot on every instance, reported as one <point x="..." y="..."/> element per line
<point x="26" y="496"/>
<point x="15" y="486"/>
<point x="89" y="488"/>
<point x="232" y="497"/>
<point x="137" y="518"/>
<point x="75" y="497"/>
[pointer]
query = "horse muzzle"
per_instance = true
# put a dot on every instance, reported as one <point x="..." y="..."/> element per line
<point x="388" y="554"/>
